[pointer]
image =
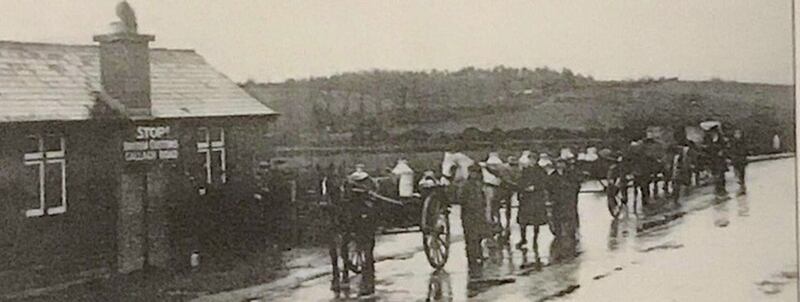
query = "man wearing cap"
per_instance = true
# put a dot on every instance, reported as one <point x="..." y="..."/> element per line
<point x="639" y="165"/>
<point x="463" y="178"/>
<point x="473" y="218"/>
<point x="562" y="189"/>
<point x="738" y="155"/>
<point x="716" y="149"/>
<point x="681" y="171"/>
<point x="497" y="182"/>
<point x="359" y="185"/>
<point x="617" y="173"/>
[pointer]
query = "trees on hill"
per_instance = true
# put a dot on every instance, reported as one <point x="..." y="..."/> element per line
<point x="372" y="107"/>
<point x="408" y="97"/>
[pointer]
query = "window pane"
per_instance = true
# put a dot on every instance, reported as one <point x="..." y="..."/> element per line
<point x="216" y="134"/>
<point x="202" y="132"/>
<point x="201" y="172"/>
<point x="28" y="187"/>
<point x="30" y="144"/>
<point x="216" y="167"/>
<point x="52" y="185"/>
<point x="52" y="143"/>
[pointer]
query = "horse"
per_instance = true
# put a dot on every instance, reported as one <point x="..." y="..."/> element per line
<point x="350" y="218"/>
<point x="650" y="164"/>
<point x="331" y="192"/>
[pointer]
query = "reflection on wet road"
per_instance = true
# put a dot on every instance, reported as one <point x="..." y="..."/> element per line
<point x="737" y="249"/>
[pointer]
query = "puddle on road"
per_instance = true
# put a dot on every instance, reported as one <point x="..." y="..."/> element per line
<point x="661" y="220"/>
<point x="665" y="246"/>
<point x="477" y="287"/>
<point x="562" y="293"/>
<point x="775" y="284"/>
<point x="405" y="256"/>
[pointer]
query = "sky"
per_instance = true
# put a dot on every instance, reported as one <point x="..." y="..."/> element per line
<point x="271" y="41"/>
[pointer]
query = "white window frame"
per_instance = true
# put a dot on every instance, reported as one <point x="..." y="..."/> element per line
<point x="42" y="158"/>
<point x="208" y="147"/>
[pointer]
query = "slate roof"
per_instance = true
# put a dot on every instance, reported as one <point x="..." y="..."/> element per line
<point x="48" y="82"/>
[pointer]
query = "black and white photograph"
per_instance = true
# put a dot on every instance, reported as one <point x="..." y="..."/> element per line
<point x="387" y="150"/>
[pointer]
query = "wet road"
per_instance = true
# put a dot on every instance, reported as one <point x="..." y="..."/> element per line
<point x="738" y="249"/>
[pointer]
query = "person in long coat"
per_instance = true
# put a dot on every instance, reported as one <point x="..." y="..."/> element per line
<point x="716" y="147"/>
<point x="473" y="218"/>
<point x="738" y="154"/>
<point x="682" y="168"/>
<point x="563" y="186"/>
<point x="363" y="222"/>
<point x="532" y="203"/>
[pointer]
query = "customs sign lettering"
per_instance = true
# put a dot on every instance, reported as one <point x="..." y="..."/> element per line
<point x="151" y="143"/>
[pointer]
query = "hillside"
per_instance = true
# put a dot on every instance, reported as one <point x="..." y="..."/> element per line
<point x="612" y="106"/>
<point x="371" y="107"/>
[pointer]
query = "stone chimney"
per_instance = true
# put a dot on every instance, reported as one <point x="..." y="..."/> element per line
<point x="125" y="65"/>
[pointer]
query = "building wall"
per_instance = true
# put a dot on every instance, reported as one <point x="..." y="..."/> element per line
<point x="81" y="238"/>
<point x="37" y="251"/>
<point x="225" y="217"/>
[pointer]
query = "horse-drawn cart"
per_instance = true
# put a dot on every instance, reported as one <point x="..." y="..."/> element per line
<point x="426" y="211"/>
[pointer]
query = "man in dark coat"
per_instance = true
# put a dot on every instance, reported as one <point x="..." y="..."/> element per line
<point x="473" y="217"/>
<point x="363" y="222"/>
<point x="716" y="147"/>
<point x="562" y="188"/>
<point x="682" y="168"/>
<point x="532" y="203"/>
<point x="738" y="153"/>
<point x="639" y="165"/>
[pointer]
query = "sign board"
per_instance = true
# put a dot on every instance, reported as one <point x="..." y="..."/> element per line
<point x="151" y="143"/>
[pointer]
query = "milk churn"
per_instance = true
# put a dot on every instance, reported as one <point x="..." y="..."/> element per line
<point x="406" y="183"/>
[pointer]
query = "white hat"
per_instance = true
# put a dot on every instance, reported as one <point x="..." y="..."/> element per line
<point x="566" y="153"/>
<point x="359" y="174"/>
<point x="525" y="159"/>
<point x="494" y="158"/>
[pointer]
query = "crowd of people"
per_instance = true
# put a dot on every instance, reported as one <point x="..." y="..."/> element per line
<point x="547" y="187"/>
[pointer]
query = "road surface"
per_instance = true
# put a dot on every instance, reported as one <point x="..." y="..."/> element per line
<point x="742" y="248"/>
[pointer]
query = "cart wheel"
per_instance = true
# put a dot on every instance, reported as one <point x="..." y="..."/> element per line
<point x="435" y="227"/>
<point x="614" y="198"/>
<point x="355" y="257"/>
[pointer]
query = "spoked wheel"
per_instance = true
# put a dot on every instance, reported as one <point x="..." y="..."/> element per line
<point x="355" y="257"/>
<point x="435" y="227"/>
<point x="615" y="197"/>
